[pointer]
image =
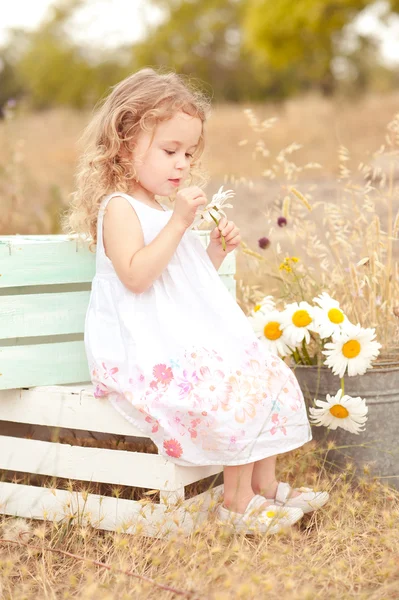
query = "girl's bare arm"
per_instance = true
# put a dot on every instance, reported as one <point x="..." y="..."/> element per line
<point x="137" y="265"/>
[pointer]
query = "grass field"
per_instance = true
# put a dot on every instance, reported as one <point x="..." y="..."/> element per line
<point x="39" y="152"/>
<point x="346" y="550"/>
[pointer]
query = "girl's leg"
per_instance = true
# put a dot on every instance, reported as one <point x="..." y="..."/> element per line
<point x="238" y="487"/>
<point x="264" y="480"/>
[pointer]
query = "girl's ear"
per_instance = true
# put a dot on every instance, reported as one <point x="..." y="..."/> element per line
<point x="126" y="150"/>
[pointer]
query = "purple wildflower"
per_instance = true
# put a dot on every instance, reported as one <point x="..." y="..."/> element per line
<point x="264" y="243"/>
<point x="281" y="221"/>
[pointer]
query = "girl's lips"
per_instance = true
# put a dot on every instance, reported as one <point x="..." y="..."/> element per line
<point x="175" y="182"/>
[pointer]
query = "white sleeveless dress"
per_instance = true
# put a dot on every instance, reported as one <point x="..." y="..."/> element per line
<point x="182" y="363"/>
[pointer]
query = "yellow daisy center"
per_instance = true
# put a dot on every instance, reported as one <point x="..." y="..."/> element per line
<point x="339" y="411"/>
<point x="270" y="514"/>
<point x="301" y="318"/>
<point x="257" y="307"/>
<point x="335" y="315"/>
<point x="351" y="349"/>
<point x="272" y="330"/>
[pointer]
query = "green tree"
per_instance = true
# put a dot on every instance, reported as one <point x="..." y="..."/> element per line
<point x="10" y="85"/>
<point x="203" y="38"/>
<point x="55" y="70"/>
<point x="300" y="39"/>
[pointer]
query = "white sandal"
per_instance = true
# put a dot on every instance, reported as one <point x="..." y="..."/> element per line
<point x="259" y="518"/>
<point x="308" y="500"/>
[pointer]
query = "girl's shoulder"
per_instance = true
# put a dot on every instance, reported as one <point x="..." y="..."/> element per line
<point x="135" y="203"/>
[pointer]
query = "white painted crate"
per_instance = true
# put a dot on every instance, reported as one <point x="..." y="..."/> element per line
<point x="44" y="381"/>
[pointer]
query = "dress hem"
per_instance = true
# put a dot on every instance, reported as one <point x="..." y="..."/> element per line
<point x="235" y="463"/>
<point x="208" y="463"/>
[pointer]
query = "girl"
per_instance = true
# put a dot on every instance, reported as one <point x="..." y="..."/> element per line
<point x="165" y="341"/>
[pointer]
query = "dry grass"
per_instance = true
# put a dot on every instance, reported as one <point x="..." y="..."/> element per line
<point x="346" y="245"/>
<point x="346" y="550"/>
<point x="38" y="152"/>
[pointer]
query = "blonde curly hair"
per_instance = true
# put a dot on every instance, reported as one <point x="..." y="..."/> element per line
<point x="136" y="103"/>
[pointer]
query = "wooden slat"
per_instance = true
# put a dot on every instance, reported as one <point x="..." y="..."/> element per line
<point x="71" y="407"/>
<point x="43" y="364"/>
<point x="106" y="513"/>
<point x="30" y="315"/>
<point x="42" y="260"/>
<point x="43" y="314"/>
<point x="33" y="262"/>
<point x="102" y="465"/>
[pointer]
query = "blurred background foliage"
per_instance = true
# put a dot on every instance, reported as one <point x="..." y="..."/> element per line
<point x="246" y="50"/>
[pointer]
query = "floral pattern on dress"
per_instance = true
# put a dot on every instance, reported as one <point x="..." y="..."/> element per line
<point x="206" y="403"/>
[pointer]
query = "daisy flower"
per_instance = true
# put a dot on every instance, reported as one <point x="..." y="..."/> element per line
<point x="267" y="327"/>
<point x="297" y="321"/>
<point x="351" y="350"/>
<point x="265" y="305"/>
<point x="215" y="208"/>
<point x="340" y="411"/>
<point x="329" y="318"/>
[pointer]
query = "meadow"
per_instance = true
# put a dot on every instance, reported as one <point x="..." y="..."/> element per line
<point x="317" y="164"/>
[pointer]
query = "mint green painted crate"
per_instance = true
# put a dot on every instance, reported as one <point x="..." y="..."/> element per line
<point x="45" y="284"/>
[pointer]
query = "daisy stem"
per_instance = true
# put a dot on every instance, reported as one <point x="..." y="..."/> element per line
<point x="342" y="386"/>
<point x="223" y="240"/>
<point x="297" y="357"/>
<point x="305" y="352"/>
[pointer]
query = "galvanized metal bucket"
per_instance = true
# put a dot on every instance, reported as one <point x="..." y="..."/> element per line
<point x="378" y="445"/>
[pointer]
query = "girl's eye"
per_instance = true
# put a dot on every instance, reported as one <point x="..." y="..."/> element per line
<point x="170" y="152"/>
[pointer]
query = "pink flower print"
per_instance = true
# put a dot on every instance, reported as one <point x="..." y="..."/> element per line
<point x="261" y="396"/>
<point x="216" y="356"/>
<point x="198" y="427"/>
<point x="297" y="400"/>
<point x="211" y="387"/>
<point x="110" y="372"/>
<point x="208" y="421"/>
<point x="138" y="377"/>
<point x="278" y="424"/>
<point x="153" y="422"/>
<point x="208" y="439"/>
<point x="193" y="433"/>
<point x="196" y="357"/>
<point x="177" y="424"/>
<point x="192" y="429"/>
<point x="241" y="399"/>
<point x="186" y="383"/>
<point x="163" y="373"/>
<point x="235" y="439"/>
<point x="253" y="350"/>
<point x="100" y="391"/>
<point x="173" y="448"/>
<point x="254" y="367"/>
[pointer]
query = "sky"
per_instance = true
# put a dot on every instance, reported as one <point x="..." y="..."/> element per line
<point x="109" y="22"/>
<point x="114" y="22"/>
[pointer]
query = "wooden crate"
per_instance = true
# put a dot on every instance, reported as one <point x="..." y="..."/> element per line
<point x="45" y="284"/>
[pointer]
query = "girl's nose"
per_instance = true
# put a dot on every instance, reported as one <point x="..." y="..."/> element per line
<point x="182" y="162"/>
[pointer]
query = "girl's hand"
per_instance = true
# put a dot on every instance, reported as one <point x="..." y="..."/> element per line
<point x="186" y="204"/>
<point x="231" y="234"/>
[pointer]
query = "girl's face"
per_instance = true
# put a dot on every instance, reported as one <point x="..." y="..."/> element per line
<point x="161" y="164"/>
